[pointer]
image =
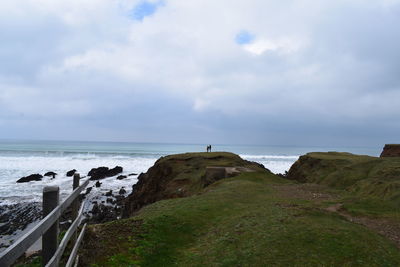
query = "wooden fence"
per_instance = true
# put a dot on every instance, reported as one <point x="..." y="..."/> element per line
<point x="48" y="228"/>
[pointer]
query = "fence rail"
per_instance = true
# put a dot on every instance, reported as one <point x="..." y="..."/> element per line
<point x="16" y="250"/>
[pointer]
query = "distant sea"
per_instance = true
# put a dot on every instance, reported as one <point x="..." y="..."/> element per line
<point x="22" y="158"/>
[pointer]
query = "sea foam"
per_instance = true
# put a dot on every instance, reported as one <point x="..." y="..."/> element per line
<point x="275" y="163"/>
<point x="14" y="166"/>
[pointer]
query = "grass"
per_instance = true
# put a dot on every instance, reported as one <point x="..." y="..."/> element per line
<point x="241" y="221"/>
<point x="372" y="183"/>
<point x="372" y="206"/>
<point x="35" y="261"/>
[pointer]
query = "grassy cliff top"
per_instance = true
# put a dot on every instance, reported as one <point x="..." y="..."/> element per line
<point x="205" y="155"/>
<point x="182" y="175"/>
<point x="253" y="219"/>
<point x="339" y="155"/>
<point x="372" y="183"/>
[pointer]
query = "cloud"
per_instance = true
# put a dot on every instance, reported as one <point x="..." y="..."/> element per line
<point x="301" y="67"/>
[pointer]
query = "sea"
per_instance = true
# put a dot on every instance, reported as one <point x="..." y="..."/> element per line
<point x="22" y="158"/>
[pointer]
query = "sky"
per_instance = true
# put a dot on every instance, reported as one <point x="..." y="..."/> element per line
<point x="289" y="72"/>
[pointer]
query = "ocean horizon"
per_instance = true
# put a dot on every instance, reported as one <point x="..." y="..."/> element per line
<point x="21" y="158"/>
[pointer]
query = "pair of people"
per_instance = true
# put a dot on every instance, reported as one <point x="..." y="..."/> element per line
<point x="209" y="148"/>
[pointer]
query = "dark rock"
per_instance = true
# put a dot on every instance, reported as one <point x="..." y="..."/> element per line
<point x="88" y="190"/>
<point x="98" y="173"/>
<point x="121" y="177"/>
<point x="32" y="177"/>
<point x="122" y="191"/>
<point x="119" y="200"/>
<point x="114" y="171"/>
<point x="18" y="216"/>
<point x="103" y="172"/>
<point x="95" y="209"/>
<point x="53" y="174"/>
<point x="71" y="173"/>
<point x="110" y="200"/>
<point x="98" y="184"/>
<point x="109" y="193"/>
<point x="391" y="151"/>
<point x="283" y="175"/>
<point x="104" y="213"/>
<point x="132" y="174"/>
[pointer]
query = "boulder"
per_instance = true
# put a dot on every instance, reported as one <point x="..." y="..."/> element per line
<point x="52" y="174"/>
<point x="132" y="174"/>
<point x="98" y="173"/>
<point x="391" y="150"/>
<point x="103" y="172"/>
<point x="32" y="177"/>
<point x="109" y="193"/>
<point x="95" y="210"/>
<point x="98" y="184"/>
<point x="121" y="177"/>
<point x="114" y="171"/>
<point x="122" y="191"/>
<point x="71" y="173"/>
<point x="88" y="190"/>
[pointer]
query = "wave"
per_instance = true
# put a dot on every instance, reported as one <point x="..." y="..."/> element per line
<point x="266" y="157"/>
<point x="78" y="153"/>
<point x="13" y="167"/>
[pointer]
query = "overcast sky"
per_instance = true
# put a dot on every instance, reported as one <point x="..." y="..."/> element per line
<point x="294" y="72"/>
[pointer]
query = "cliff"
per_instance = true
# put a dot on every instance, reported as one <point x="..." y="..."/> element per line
<point x="183" y="175"/>
<point x="391" y="151"/>
<point x="188" y="210"/>
<point x="363" y="175"/>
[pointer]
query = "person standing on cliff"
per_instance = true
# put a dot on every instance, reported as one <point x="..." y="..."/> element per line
<point x="210" y="147"/>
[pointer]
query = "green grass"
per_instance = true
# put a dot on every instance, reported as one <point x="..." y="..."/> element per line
<point x="372" y="206"/>
<point x="374" y="182"/>
<point x="241" y="221"/>
<point x="35" y="261"/>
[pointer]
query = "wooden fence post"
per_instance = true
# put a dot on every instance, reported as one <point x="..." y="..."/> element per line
<point x="75" y="204"/>
<point x="51" y="198"/>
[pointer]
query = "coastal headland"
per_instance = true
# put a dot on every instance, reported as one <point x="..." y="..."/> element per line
<point x="216" y="209"/>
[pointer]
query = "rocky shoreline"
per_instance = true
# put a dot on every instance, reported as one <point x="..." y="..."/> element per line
<point x="15" y="218"/>
<point x="102" y="204"/>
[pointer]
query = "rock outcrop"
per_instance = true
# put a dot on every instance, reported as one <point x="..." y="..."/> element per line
<point x="71" y="173"/>
<point x="18" y="216"/>
<point x="29" y="178"/>
<point x="114" y="171"/>
<point x="121" y="177"/>
<point x="183" y="175"/>
<point x="104" y="172"/>
<point x="52" y="174"/>
<point x="391" y="150"/>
